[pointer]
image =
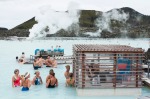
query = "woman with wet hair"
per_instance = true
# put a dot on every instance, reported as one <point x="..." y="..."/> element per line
<point x="52" y="81"/>
<point x="70" y="81"/>
<point x="50" y="72"/>
<point x="16" y="78"/>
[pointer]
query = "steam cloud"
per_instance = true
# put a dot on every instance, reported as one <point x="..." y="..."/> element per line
<point x="104" y="22"/>
<point x="51" y="21"/>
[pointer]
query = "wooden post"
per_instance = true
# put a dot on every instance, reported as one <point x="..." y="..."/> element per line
<point x="83" y="70"/>
<point x="137" y="69"/>
<point x="114" y="70"/>
<point x="77" y="68"/>
<point x="73" y="69"/>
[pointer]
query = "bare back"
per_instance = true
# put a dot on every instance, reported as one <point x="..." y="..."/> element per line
<point x="25" y="82"/>
<point x="66" y="75"/>
<point x="53" y="81"/>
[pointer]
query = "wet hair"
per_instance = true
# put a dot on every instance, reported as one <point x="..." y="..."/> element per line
<point x="67" y="66"/>
<point x="17" y="57"/>
<point x="71" y="75"/>
<point x="51" y="71"/>
<point x="40" y="56"/>
<point x="21" y="60"/>
<point x="16" y="70"/>
<point x="53" y="74"/>
<point x="34" y="60"/>
<point x="36" y="72"/>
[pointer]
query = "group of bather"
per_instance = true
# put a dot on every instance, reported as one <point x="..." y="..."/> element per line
<point x="49" y="62"/>
<point x="51" y="80"/>
<point x="39" y="61"/>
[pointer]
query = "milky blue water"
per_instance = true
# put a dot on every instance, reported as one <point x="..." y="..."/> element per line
<point x="10" y="49"/>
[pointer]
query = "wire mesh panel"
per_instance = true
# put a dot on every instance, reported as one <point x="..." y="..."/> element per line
<point x="107" y="66"/>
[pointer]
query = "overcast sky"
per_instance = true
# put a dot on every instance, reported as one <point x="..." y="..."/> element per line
<point x="14" y="12"/>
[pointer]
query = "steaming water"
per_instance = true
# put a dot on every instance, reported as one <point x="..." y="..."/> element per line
<point x="10" y="49"/>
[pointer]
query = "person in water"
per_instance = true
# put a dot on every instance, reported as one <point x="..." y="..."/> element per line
<point x="50" y="72"/>
<point x="70" y="81"/>
<point x="36" y="63"/>
<point x="54" y="63"/>
<point x="21" y="61"/>
<point x="25" y="82"/>
<point x="40" y="61"/>
<point x="22" y="58"/>
<point x="16" y="78"/>
<point x="66" y="74"/>
<point x="52" y="82"/>
<point x="48" y="62"/>
<point x="37" y="80"/>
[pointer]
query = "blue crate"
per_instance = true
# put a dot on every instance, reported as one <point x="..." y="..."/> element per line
<point x="35" y="52"/>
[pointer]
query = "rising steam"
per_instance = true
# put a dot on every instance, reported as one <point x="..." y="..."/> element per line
<point x="104" y="21"/>
<point x="51" y="21"/>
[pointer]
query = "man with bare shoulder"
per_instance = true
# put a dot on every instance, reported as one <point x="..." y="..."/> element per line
<point x="41" y="61"/>
<point x="48" y="62"/>
<point x="54" y="62"/>
<point x="25" y="82"/>
<point x="66" y="74"/>
<point x="51" y="62"/>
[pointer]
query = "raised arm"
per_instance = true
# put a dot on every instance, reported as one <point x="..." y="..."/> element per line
<point x="13" y="79"/>
<point x="22" y="80"/>
<point x="47" y="78"/>
<point x="47" y="83"/>
<point x="56" y="82"/>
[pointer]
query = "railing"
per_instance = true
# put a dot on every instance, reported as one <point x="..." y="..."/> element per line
<point x="107" y="79"/>
<point x="103" y="70"/>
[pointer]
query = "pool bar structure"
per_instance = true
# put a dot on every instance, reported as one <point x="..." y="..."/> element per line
<point x="107" y="66"/>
